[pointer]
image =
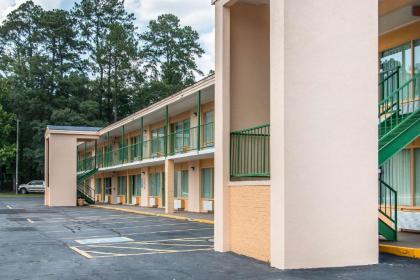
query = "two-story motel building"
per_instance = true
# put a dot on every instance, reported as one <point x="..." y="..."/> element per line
<point x="284" y="144"/>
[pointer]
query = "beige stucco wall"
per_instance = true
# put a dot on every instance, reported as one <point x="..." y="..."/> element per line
<point x="250" y="221"/>
<point x="249" y="66"/>
<point x="324" y="133"/>
<point x="62" y="185"/>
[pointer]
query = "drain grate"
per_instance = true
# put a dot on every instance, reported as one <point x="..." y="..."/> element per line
<point x="14" y="229"/>
<point x="12" y="211"/>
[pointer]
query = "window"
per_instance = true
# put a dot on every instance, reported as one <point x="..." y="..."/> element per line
<point x="134" y="148"/>
<point x="207" y="186"/>
<point x="108" y="155"/>
<point x="122" y="185"/>
<point x="108" y="186"/>
<point x="208" y="129"/>
<point x="180" y="136"/>
<point x="98" y="185"/>
<point x="181" y="183"/>
<point x="123" y="150"/>
<point x="399" y="56"/>
<point x="397" y="173"/>
<point x="100" y="157"/>
<point x="417" y="65"/>
<point x="136" y="183"/>
<point x="155" y="184"/>
<point x="158" y="141"/>
<point x="416" y="177"/>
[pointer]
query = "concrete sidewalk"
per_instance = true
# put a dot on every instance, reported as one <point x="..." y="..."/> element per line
<point x="408" y="245"/>
<point x="160" y="212"/>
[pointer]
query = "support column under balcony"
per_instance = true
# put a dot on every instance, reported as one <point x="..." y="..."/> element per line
<point x="169" y="186"/>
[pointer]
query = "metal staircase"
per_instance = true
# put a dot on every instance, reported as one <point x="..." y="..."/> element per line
<point x="399" y="125"/>
<point x="83" y="189"/>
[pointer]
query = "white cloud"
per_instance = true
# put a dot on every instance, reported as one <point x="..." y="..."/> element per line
<point x="6" y="6"/>
<point x="199" y="14"/>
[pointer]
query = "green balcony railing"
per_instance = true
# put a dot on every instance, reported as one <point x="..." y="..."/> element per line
<point x="250" y="153"/>
<point x="86" y="163"/>
<point x="178" y="142"/>
<point x="186" y="140"/>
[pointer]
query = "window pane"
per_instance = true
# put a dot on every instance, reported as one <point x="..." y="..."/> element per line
<point x="138" y="185"/>
<point x="184" y="183"/>
<point x="397" y="173"/>
<point x="417" y="178"/>
<point x="207" y="183"/>
<point x="122" y="185"/>
<point x="98" y="185"/>
<point x="152" y="184"/>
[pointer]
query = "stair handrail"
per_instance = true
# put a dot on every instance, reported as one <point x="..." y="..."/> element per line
<point x="396" y="92"/>
<point x="390" y="73"/>
<point x="396" y="107"/>
<point x="86" y="190"/>
<point x="389" y="205"/>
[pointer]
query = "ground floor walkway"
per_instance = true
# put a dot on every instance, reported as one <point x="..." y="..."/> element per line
<point x="160" y="212"/>
<point x="38" y="242"/>
<point x="408" y="245"/>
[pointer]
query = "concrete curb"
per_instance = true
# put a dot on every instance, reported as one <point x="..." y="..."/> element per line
<point x="202" y="221"/>
<point x="400" y="251"/>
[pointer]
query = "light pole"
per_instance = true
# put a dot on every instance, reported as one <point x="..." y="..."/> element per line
<point x="17" y="155"/>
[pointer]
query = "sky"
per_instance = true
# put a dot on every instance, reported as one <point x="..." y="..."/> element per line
<point x="199" y="14"/>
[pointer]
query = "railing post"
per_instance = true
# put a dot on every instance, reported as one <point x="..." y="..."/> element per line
<point x="122" y="148"/>
<point x="84" y="159"/>
<point x="166" y="130"/>
<point x="141" y="138"/>
<point x="108" y="151"/>
<point x="199" y="120"/>
<point x="96" y="151"/>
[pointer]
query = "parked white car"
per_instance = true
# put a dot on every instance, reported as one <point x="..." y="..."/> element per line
<point x="33" y="186"/>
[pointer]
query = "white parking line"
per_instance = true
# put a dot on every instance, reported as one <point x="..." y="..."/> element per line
<point x="163" y="231"/>
<point x="95" y="250"/>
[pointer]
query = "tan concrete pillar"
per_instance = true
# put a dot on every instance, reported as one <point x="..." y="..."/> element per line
<point x="194" y="189"/>
<point x="114" y="188"/>
<point x="169" y="185"/>
<point x="144" y="187"/>
<point x="323" y="133"/>
<point x="222" y="129"/>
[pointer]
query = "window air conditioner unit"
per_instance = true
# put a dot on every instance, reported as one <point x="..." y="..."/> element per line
<point x="152" y="202"/>
<point x="179" y="204"/>
<point x="134" y="200"/>
<point x="208" y="205"/>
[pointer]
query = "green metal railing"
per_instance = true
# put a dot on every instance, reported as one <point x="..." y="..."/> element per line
<point x="186" y="140"/>
<point x="86" y="163"/>
<point x="178" y="142"/>
<point x="399" y="105"/>
<point x="250" y="152"/>
<point x="387" y="206"/>
<point x="86" y="192"/>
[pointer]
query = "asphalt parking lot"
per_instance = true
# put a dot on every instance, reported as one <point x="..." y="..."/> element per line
<point x="90" y="243"/>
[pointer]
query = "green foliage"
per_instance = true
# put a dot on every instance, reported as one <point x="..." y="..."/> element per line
<point x="88" y="66"/>
<point x="170" y="53"/>
<point x="7" y="147"/>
